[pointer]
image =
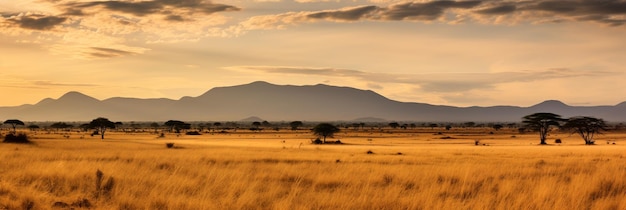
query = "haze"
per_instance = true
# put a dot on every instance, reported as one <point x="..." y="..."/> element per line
<point x="459" y="53"/>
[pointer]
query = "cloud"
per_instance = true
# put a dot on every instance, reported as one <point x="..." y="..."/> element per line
<point x="423" y="10"/>
<point x="50" y="83"/>
<point x="143" y="8"/>
<point x="109" y="52"/>
<point x="34" y="21"/>
<point x="498" y="10"/>
<point x="115" y="23"/>
<point x="607" y="12"/>
<point x="347" y="14"/>
<point x="13" y="82"/>
<point x="432" y="82"/>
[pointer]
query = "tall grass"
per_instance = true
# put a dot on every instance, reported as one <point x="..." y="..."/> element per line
<point x="150" y="176"/>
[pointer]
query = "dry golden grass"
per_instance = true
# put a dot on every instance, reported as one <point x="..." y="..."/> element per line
<point x="411" y="169"/>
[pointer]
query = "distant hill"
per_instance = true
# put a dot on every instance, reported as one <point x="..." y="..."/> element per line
<point x="286" y="103"/>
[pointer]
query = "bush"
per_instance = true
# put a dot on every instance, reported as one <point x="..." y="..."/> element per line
<point x="317" y="141"/>
<point x="20" y="138"/>
<point x="169" y="145"/>
<point x="193" y="133"/>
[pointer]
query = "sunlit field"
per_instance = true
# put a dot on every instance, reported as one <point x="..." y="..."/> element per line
<point x="372" y="169"/>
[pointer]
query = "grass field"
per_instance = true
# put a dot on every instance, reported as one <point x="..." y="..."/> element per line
<point x="405" y="169"/>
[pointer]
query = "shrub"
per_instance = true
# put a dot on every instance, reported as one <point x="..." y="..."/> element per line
<point x="169" y="145"/>
<point x="20" y="138"/>
<point x="195" y="133"/>
<point x="317" y="141"/>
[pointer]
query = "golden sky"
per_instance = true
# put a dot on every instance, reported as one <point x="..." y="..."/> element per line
<point x="460" y="53"/>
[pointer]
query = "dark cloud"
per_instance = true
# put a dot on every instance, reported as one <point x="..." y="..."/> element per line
<point x="609" y="12"/>
<point x="101" y="52"/>
<point x="424" y="11"/>
<point x="38" y="22"/>
<point x="175" y="18"/>
<point x="7" y="14"/>
<point x="498" y="10"/>
<point x="351" y="14"/>
<point x="143" y="8"/>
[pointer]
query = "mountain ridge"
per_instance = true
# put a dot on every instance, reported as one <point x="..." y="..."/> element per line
<point x="286" y="102"/>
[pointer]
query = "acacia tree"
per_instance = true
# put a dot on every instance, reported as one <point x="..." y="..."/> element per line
<point x="295" y="124"/>
<point x="586" y="127"/>
<point x="155" y="126"/>
<point x="14" y="123"/>
<point x="542" y="122"/>
<point x="325" y="130"/>
<point x="394" y="125"/>
<point x="177" y="125"/>
<point x="101" y="124"/>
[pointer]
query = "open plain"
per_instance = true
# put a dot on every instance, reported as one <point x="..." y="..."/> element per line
<point x="419" y="168"/>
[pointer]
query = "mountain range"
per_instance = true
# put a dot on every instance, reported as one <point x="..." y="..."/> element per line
<point x="285" y="103"/>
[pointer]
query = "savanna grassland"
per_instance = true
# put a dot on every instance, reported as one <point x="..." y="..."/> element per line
<point x="404" y="169"/>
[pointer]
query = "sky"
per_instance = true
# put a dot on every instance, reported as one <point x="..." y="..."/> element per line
<point x="460" y="53"/>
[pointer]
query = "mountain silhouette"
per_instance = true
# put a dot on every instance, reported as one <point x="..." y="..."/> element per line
<point x="285" y="103"/>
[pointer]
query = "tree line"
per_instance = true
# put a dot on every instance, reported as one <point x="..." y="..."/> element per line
<point x="586" y="127"/>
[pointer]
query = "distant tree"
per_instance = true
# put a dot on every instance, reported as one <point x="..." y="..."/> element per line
<point x="497" y="127"/>
<point x="325" y="130"/>
<point x="356" y="126"/>
<point x="217" y="124"/>
<point x="469" y="124"/>
<point x="448" y="127"/>
<point x="155" y="126"/>
<point x="433" y="125"/>
<point x="33" y="127"/>
<point x="542" y="122"/>
<point x="84" y="127"/>
<point x="177" y="125"/>
<point x="256" y="124"/>
<point x="394" y="125"/>
<point x="60" y="125"/>
<point x="14" y="123"/>
<point x="201" y="127"/>
<point x="101" y="124"/>
<point x="118" y="124"/>
<point x="295" y="124"/>
<point x="586" y="127"/>
<point x="266" y="124"/>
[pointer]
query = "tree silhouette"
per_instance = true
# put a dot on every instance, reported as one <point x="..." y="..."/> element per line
<point x="217" y="125"/>
<point x="177" y="125"/>
<point x="14" y="123"/>
<point x="101" y="124"/>
<point x="256" y="125"/>
<point x="586" y="127"/>
<point x="394" y="125"/>
<point x="542" y="122"/>
<point x="60" y="125"/>
<point x="155" y="126"/>
<point x="325" y="130"/>
<point x="497" y="127"/>
<point x="33" y="127"/>
<point x="433" y="125"/>
<point x="295" y="124"/>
